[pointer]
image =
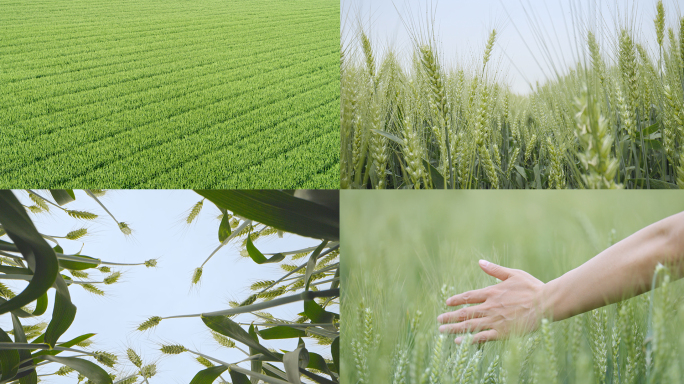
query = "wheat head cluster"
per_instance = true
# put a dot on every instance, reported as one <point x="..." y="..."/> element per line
<point x="613" y="120"/>
<point x="634" y="341"/>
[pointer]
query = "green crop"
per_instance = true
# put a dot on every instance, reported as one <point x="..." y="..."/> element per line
<point x="405" y="255"/>
<point x="615" y="119"/>
<point x="170" y="94"/>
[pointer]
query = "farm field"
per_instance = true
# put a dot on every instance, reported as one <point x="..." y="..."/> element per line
<point x="169" y="94"/>
<point x="401" y="264"/>
<point x="610" y="117"/>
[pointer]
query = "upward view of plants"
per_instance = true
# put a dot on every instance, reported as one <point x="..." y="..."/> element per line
<point x="614" y="120"/>
<point x="169" y="94"/>
<point x="315" y="283"/>
<point x="311" y="280"/>
<point x="29" y="257"/>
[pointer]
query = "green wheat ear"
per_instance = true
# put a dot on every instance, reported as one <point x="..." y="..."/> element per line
<point x="134" y="358"/>
<point x="194" y="212"/>
<point x="77" y="234"/>
<point x="105" y="358"/>
<point x="197" y="275"/>
<point x="174" y="349"/>
<point x="150" y="323"/>
<point x="82" y="215"/>
<point x="113" y="278"/>
<point x="125" y="229"/>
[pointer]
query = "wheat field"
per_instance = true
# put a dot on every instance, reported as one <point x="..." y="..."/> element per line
<point x="613" y="120"/>
<point x="405" y="254"/>
<point x="169" y="94"/>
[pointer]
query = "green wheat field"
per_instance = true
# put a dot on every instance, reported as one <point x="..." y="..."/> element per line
<point x="406" y="252"/>
<point x="613" y="119"/>
<point x="169" y="94"/>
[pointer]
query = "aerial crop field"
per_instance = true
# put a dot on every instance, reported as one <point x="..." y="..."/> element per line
<point x="169" y="94"/>
<point x="614" y="119"/>
<point x="401" y="264"/>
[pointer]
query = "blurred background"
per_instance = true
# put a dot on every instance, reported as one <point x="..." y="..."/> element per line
<point x="407" y="251"/>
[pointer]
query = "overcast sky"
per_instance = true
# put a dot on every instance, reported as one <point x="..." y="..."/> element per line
<point x="463" y="27"/>
<point x="159" y="231"/>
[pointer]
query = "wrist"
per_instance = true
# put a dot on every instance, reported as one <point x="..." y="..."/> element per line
<point x="549" y="304"/>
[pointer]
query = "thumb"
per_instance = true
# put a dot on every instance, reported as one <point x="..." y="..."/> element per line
<point x="494" y="270"/>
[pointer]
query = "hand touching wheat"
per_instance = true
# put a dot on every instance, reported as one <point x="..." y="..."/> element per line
<point x="518" y="303"/>
<point x="510" y="306"/>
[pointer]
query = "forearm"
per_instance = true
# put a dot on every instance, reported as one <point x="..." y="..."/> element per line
<point x="621" y="271"/>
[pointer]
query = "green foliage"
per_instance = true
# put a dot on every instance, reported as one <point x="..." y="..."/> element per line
<point x="29" y="256"/>
<point x="396" y="287"/>
<point x="610" y="121"/>
<point x="252" y="104"/>
<point x="308" y="213"/>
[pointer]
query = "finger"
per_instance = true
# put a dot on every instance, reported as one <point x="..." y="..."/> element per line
<point x="473" y="325"/>
<point x="482" y="337"/>
<point x="461" y="315"/>
<point x="501" y="273"/>
<point x="470" y="297"/>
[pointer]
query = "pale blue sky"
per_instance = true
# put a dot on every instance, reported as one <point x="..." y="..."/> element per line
<point x="464" y="26"/>
<point x="159" y="231"/>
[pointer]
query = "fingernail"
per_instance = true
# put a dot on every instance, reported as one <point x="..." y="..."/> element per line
<point x="458" y="340"/>
<point x="439" y="318"/>
<point x="484" y="263"/>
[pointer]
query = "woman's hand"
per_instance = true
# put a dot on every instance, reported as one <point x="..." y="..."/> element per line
<point x="511" y="306"/>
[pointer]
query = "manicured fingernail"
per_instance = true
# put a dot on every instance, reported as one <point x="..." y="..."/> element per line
<point x="484" y="263"/>
<point x="458" y="340"/>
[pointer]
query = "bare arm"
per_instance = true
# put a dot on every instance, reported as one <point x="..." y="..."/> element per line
<point x="518" y="303"/>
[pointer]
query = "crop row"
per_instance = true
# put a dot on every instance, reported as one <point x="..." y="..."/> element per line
<point x="119" y="159"/>
<point x="101" y="43"/>
<point x="236" y="98"/>
<point x="135" y="75"/>
<point x="107" y="53"/>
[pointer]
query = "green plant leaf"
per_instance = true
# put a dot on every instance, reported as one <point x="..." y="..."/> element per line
<point x="224" y="228"/>
<point x="38" y="254"/>
<point x="63" y="313"/>
<point x="228" y="327"/>
<point x="317" y="362"/>
<point x="63" y="196"/>
<point x="656" y="184"/>
<point x="77" y="265"/>
<point x="67" y="344"/>
<point x="9" y="359"/>
<point x="41" y="305"/>
<point x="317" y="314"/>
<point x="311" y="264"/>
<point x="238" y="377"/>
<point x="437" y="178"/>
<point x="256" y="364"/>
<point x="281" y="332"/>
<point x="280" y="210"/>
<point x="88" y="369"/>
<point x="259" y="257"/>
<point x="28" y="376"/>
<point x="299" y="358"/>
<point x="335" y="351"/>
<point x="390" y="136"/>
<point x="268" y="379"/>
<point x="207" y="376"/>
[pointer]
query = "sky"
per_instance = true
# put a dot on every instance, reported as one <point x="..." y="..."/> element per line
<point x="523" y="26"/>
<point x="157" y="218"/>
